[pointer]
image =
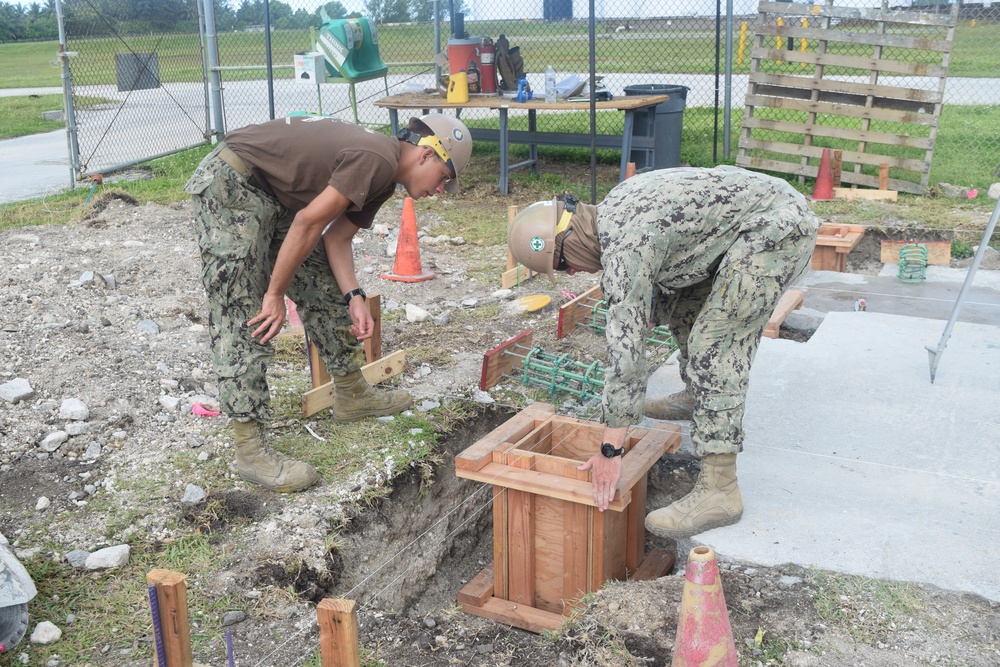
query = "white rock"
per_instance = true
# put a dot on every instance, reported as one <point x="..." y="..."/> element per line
<point x="416" y="313"/>
<point x="107" y="558"/>
<point x="45" y="633"/>
<point x="42" y="503"/>
<point x="994" y="192"/>
<point x="16" y="390"/>
<point x="54" y="441"/>
<point x="169" y="403"/>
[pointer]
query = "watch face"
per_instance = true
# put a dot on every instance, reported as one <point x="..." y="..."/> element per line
<point x="608" y="450"/>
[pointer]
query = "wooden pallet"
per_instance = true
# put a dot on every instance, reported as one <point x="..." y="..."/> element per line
<point x="789" y="301"/>
<point x="550" y="544"/>
<point x="798" y="96"/>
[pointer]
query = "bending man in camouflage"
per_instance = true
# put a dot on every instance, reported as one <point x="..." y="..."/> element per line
<point x="276" y="207"/>
<point x="706" y="252"/>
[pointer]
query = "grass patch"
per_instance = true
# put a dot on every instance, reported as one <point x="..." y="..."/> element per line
<point x="22" y="115"/>
<point x="867" y="609"/>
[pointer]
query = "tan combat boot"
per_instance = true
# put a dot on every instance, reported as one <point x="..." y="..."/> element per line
<point x="713" y="502"/>
<point x="355" y="399"/>
<point x="679" y="405"/>
<point x="257" y="462"/>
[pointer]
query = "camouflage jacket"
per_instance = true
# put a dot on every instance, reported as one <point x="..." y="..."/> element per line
<point x="664" y="230"/>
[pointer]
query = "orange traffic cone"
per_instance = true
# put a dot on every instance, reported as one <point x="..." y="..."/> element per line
<point x="704" y="636"/>
<point x="823" y="190"/>
<point x="407" y="267"/>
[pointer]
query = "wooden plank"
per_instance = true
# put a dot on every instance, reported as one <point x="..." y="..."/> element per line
<point x="838" y="133"/>
<point x="810" y="83"/>
<point x="835" y="60"/>
<point x="846" y="155"/>
<point x="845" y="110"/>
<point x="338" y="633"/>
<point x="836" y="167"/>
<point x="597" y="556"/>
<point x="614" y="546"/>
<point x="520" y="547"/>
<point x="520" y="616"/>
<point x="577" y="310"/>
<point x="856" y="37"/>
<point x="857" y="13"/>
<point x="577" y="491"/>
<point x="480" y="452"/>
<point x="635" y="537"/>
<point x="789" y="301"/>
<point x="850" y="194"/>
<point x="322" y="397"/>
<point x="663" y="438"/>
<point x="938" y="252"/>
<point x="576" y="555"/>
<point x="550" y="558"/>
<point x="516" y="276"/>
<point x="496" y="363"/>
<point x="511" y="214"/>
<point x="171" y="594"/>
<point x="656" y="564"/>
<point x="373" y="345"/>
<point x="317" y="368"/>
<point x="500" y="563"/>
<point x="478" y="590"/>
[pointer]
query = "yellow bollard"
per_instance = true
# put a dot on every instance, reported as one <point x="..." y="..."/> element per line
<point x="803" y="41"/>
<point x="743" y="42"/>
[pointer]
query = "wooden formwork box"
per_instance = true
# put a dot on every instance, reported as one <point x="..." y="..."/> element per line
<point x="551" y="545"/>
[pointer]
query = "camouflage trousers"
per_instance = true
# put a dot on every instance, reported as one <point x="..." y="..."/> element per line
<point x="718" y="323"/>
<point x="240" y="229"/>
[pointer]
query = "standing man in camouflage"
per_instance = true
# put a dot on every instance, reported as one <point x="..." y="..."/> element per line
<point x="276" y="208"/>
<point x="707" y="252"/>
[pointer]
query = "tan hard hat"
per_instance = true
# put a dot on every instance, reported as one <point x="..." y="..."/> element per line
<point x="456" y="141"/>
<point x="531" y="238"/>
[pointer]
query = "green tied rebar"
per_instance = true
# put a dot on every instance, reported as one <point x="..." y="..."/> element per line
<point x="912" y="263"/>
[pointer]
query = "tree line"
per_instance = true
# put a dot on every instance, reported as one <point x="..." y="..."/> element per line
<point x="95" y="18"/>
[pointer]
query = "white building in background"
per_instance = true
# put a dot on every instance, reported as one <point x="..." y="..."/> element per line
<point x="487" y="10"/>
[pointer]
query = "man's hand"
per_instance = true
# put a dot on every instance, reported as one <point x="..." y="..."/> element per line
<point x="364" y="326"/>
<point x="270" y="318"/>
<point x="604" y="478"/>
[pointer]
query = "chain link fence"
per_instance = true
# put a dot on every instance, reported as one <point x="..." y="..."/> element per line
<point x="664" y="43"/>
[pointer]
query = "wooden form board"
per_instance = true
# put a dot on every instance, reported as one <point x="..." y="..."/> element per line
<point x="938" y="252"/>
<point x="839" y="89"/>
<point x="497" y="362"/>
<point x="789" y="301"/>
<point x="550" y="544"/>
<point x="322" y="397"/>
<point x="373" y="345"/>
<point x="578" y="310"/>
<point x="833" y="243"/>
<point x="171" y="593"/>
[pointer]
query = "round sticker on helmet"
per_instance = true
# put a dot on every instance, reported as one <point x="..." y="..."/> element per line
<point x="537" y="244"/>
<point x="458" y="134"/>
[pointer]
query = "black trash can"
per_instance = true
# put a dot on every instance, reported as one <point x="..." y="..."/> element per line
<point x="663" y="123"/>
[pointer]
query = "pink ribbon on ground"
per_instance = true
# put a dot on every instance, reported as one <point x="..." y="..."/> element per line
<point x="201" y="411"/>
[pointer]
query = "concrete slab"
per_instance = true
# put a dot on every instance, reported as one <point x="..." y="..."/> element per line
<point x="856" y="463"/>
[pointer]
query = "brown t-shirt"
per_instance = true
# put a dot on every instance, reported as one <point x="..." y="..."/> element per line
<point x="297" y="158"/>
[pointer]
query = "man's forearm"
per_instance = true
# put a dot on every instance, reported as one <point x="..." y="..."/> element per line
<point x="299" y="242"/>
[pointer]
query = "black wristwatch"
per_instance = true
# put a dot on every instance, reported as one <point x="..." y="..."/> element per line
<point x="353" y="293"/>
<point x="608" y="451"/>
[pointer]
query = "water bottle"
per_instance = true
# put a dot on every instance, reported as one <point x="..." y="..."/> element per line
<point x="551" y="95"/>
<point x="522" y="89"/>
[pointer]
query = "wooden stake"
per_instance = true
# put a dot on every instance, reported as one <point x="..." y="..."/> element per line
<point x="338" y="633"/>
<point x="629" y="170"/>
<point x="883" y="176"/>
<point x="171" y="592"/>
<point x="511" y="214"/>
<point x="836" y="164"/>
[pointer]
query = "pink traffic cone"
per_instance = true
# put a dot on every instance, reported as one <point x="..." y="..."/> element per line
<point x="704" y="636"/>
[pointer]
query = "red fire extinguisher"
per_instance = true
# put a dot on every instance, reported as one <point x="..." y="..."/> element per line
<point x="488" y="67"/>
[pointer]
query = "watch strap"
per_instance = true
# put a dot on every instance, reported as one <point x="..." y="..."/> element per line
<point x="353" y="293"/>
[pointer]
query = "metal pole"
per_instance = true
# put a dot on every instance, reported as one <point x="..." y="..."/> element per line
<point x="715" y="125"/>
<point x="437" y="40"/>
<point x="72" y="143"/>
<point x="267" y="55"/>
<point x="593" y="107"/>
<point x="212" y="46"/>
<point x="727" y="114"/>
<point x="204" y="71"/>
<point x="934" y="353"/>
